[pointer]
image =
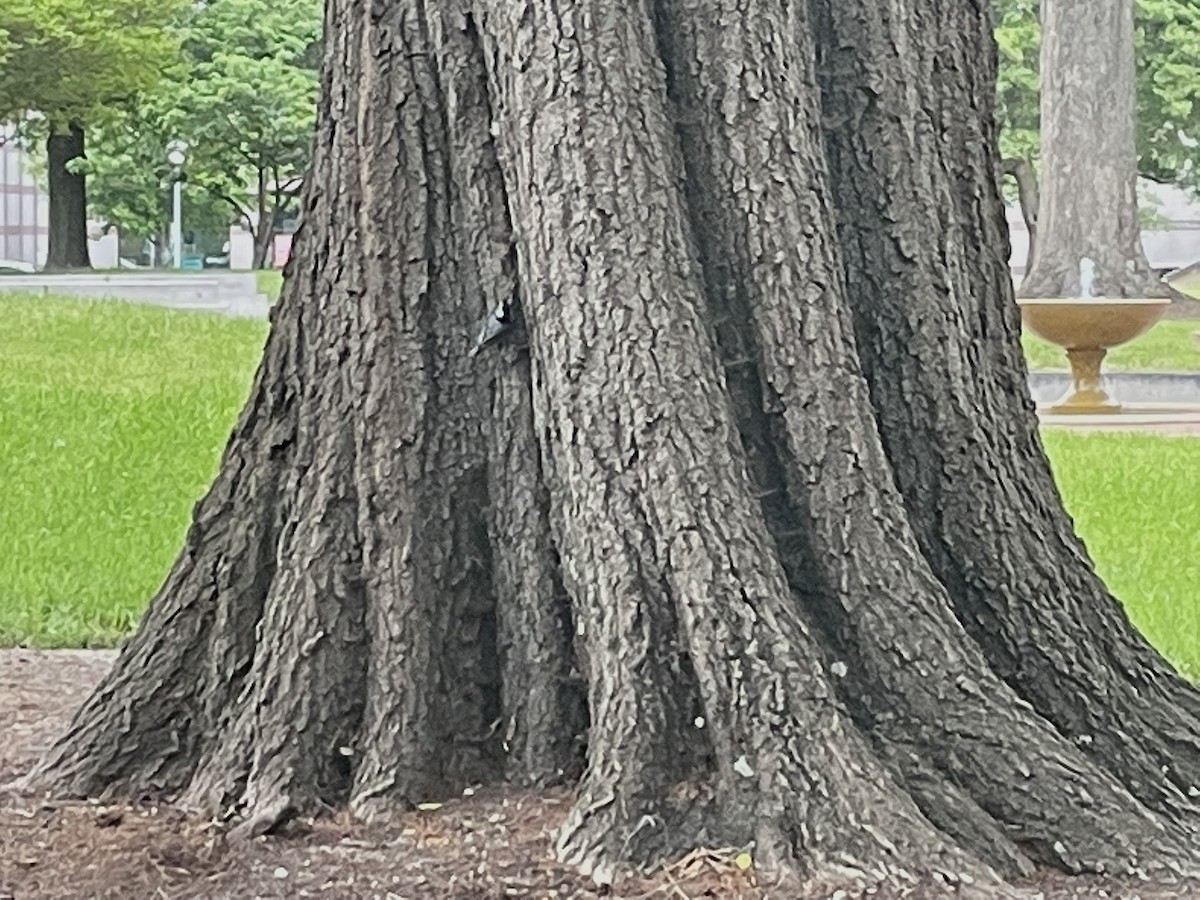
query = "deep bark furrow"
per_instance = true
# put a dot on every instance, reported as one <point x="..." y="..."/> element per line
<point x="953" y="810"/>
<point x="927" y="688"/>
<point x="979" y="492"/>
<point x="433" y="693"/>
<point x="544" y="694"/>
<point x="672" y="476"/>
<point x="762" y="435"/>
<point x="637" y="743"/>
<point x="542" y="709"/>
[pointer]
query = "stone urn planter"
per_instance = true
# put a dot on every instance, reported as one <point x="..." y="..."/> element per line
<point x="1087" y="328"/>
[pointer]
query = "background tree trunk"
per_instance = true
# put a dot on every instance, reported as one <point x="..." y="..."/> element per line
<point x="1022" y="172"/>
<point x="741" y="520"/>
<point x="264" y="229"/>
<point x="1088" y="204"/>
<point x="68" y="240"/>
<point x="263" y="238"/>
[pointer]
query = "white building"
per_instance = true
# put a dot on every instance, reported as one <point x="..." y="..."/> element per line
<point x="24" y="209"/>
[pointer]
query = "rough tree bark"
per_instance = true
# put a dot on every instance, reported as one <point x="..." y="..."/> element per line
<point x="742" y="521"/>
<point x="67" y="247"/>
<point x="264" y="226"/>
<point x="1088" y="203"/>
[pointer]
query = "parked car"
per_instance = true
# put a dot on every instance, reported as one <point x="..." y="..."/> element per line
<point x="218" y="260"/>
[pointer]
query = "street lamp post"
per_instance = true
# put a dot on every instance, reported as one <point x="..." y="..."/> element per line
<point x="177" y="156"/>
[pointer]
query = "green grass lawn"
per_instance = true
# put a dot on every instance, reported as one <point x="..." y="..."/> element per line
<point x="112" y="419"/>
<point x="1136" y="502"/>
<point x="270" y="282"/>
<point x="1167" y="347"/>
<point x="113" y="416"/>
<point x="1189" y="284"/>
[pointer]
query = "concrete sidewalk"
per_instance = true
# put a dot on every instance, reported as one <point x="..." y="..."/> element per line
<point x="233" y="294"/>
<point x="1162" y="418"/>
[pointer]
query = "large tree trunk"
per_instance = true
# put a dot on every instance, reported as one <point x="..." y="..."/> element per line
<point x="966" y="455"/>
<point x="68" y="242"/>
<point x="1088" y="202"/>
<point x="742" y="520"/>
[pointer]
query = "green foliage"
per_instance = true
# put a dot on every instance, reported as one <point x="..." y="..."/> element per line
<point x="249" y="107"/>
<point x="78" y="60"/>
<point x="1168" y="56"/>
<point x="246" y="106"/>
<point x="1018" y="38"/>
<point x="129" y="177"/>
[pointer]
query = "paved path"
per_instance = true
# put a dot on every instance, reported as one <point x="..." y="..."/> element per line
<point x="234" y="294"/>
<point x="1143" y="417"/>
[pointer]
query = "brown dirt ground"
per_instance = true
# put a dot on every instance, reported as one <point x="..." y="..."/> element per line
<point x="490" y="844"/>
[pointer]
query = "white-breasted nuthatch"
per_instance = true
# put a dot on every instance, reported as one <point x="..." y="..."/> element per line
<point x="496" y="323"/>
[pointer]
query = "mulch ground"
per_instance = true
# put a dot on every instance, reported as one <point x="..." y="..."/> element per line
<point x="489" y="844"/>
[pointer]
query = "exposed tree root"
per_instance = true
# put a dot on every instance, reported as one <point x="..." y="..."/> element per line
<point x="978" y="491"/>
<point x="285" y="743"/>
<point x="918" y="679"/>
<point x="144" y="728"/>
<point x="765" y="700"/>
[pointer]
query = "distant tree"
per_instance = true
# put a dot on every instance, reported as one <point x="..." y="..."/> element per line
<point x="69" y="66"/>
<point x="248" y="108"/>
<point x="1166" y="36"/>
<point x="1088" y="193"/>
<point x="1018" y="39"/>
<point x="129" y="178"/>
